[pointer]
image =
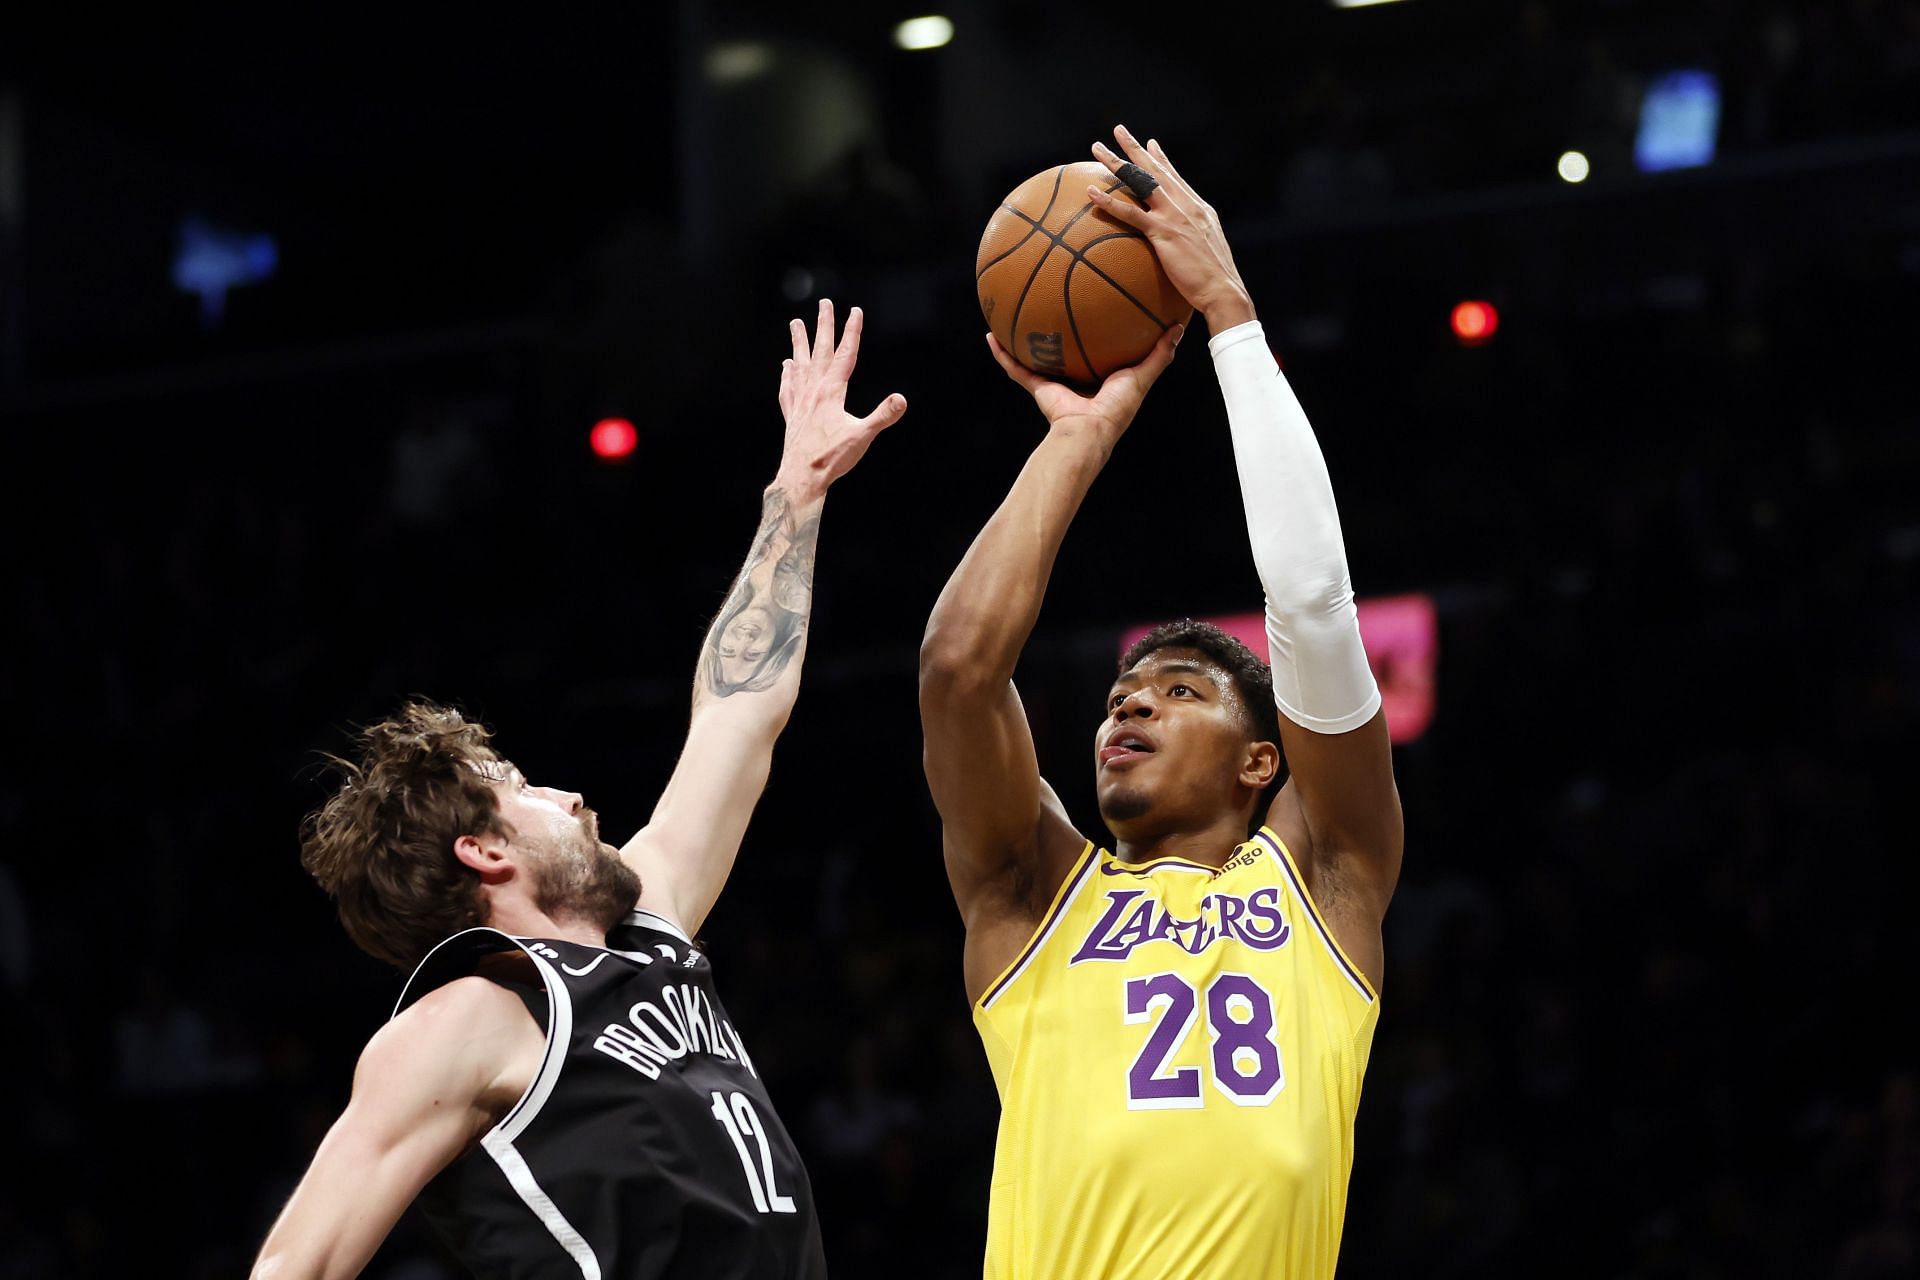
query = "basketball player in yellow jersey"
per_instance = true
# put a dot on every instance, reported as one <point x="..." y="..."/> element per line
<point x="1179" y="1025"/>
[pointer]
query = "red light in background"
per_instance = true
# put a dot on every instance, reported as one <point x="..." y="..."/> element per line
<point x="1475" y="323"/>
<point x="613" y="438"/>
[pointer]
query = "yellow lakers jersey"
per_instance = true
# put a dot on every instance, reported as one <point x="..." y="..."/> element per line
<point x="1178" y="1052"/>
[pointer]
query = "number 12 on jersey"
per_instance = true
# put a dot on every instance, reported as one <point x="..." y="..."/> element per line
<point x="1245" y="1060"/>
<point x="736" y="1115"/>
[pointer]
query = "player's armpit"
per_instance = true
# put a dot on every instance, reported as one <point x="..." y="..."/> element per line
<point x="1340" y="814"/>
<point x="428" y="1085"/>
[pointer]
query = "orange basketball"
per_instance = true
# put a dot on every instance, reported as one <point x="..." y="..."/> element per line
<point x="1070" y="291"/>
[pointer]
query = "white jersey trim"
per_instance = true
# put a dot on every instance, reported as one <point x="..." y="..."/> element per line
<point x="652" y="920"/>
<point x="521" y="1178"/>
<point x="498" y="1141"/>
<point x="559" y="1037"/>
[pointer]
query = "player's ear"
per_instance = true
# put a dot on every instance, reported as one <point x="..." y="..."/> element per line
<point x="1260" y="766"/>
<point x="486" y="854"/>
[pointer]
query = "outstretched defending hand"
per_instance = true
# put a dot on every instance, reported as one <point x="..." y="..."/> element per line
<point x="1110" y="410"/>
<point x="824" y="441"/>
<point x="1184" y="231"/>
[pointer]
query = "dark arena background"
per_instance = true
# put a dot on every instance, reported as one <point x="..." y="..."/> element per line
<point x="306" y="320"/>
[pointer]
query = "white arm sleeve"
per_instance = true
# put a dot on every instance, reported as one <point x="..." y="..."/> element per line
<point x="1321" y="679"/>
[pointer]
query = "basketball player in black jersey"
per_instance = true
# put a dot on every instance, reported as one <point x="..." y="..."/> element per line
<point x="560" y="1084"/>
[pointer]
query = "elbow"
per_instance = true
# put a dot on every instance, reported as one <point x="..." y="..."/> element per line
<point x="955" y="666"/>
<point x="949" y="652"/>
<point x="1302" y="598"/>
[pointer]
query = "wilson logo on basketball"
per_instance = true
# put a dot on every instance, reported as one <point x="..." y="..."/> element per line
<point x="1045" y="355"/>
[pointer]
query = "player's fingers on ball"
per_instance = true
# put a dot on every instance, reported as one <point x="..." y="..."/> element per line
<point x="1013" y="368"/>
<point x="1162" y="354"/>
<point x="1118" y="165"/>
<point x="1125" y="210"/>
<point x="1178" y="194"/>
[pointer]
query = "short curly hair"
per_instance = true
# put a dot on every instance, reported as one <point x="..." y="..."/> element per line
<point x="1252" y="677"/>
<point x="382" y="844"/>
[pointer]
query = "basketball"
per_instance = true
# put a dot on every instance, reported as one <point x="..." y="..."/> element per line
<point x="1068" y="290"/>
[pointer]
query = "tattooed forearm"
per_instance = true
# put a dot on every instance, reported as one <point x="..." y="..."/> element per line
<point x="774" y="511"/>
<point x="760" y="628"/>
<point x="793" y="573"/>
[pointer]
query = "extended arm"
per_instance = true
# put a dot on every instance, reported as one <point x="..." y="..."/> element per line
<point x="1331" y="726"/>
<point x="428" y="1085"/>
<point x="1007" y="841"/>
<point x="1340" y="804"/>
<point x="748" y="674"/>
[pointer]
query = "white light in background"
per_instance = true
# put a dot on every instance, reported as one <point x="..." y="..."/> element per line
<point x="1573" y="166"/>
<point x="1358" y="4"/>
<point x="738" y="60"/>
<point x="929" y="32"/>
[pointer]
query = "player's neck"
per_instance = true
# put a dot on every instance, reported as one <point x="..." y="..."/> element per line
<point x="1209" y="844"/>
<point x="523" y="920"/>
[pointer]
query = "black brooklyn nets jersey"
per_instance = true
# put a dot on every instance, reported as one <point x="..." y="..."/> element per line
<point x="646" y="1145"/>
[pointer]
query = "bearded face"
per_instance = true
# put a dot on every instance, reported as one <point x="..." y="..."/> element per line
<point x="575" y="876"/>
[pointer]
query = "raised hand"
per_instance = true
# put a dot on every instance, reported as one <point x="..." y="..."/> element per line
<point x="824" y="441"/>
<point x="1110" y="410"/>
<point x="1183" y="229"/>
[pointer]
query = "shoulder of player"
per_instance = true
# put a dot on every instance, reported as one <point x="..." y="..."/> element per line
<point x="471" y="1037"/>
